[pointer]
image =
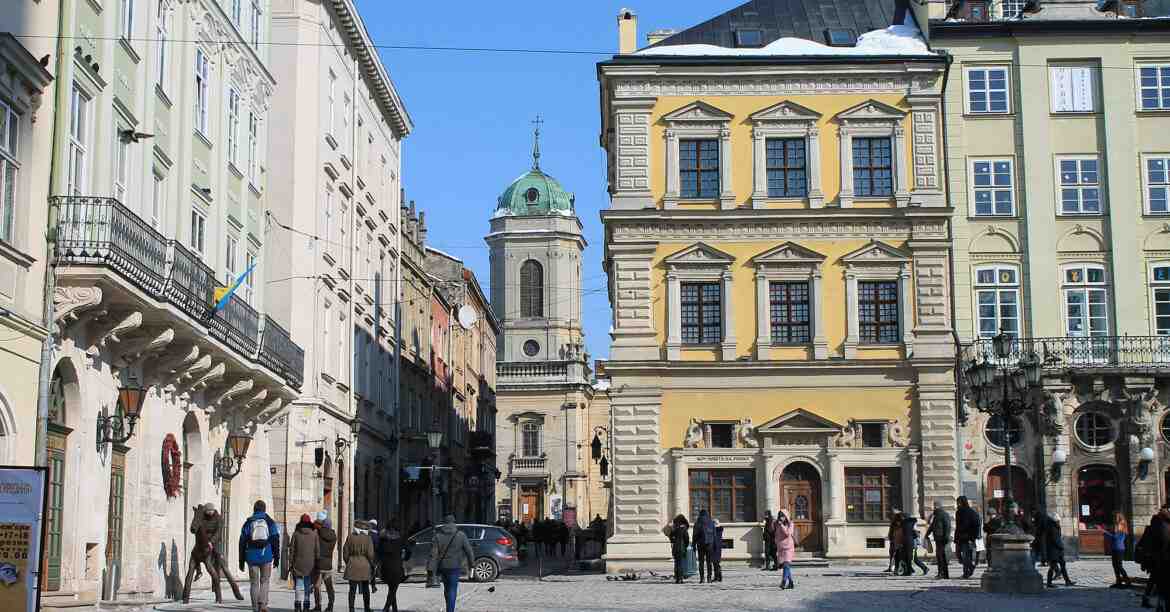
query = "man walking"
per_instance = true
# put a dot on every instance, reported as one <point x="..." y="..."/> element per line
<point x="323" y="573"/>
<point x="450" y="554"/>
<point x="260" y="549"/>
<point x="940" y="530"/>
<point x="702" y="540"/>
<point x="967" y="529"/>
<point x="1054" y="541"/>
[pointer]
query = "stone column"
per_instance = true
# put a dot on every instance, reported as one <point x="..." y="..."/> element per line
<point x="852" y="331"/>
<point x="906" y="308"/>
<point x="671" y="161"/>
<point x="673" y="317"/>
<point x="726" y="189"/>
<point x="771" y="483"/>
<point x="764" y="319"/>
<point x="759" y="168"/>
<point x="902" y="167"/>
<point x="820" y="343"/>
<point x="937" y="435"/>
<point x="639" y="484"/>
<point x="816" y="197"/>
<point x="836" y="483"/>
<point x="680" y="484"/>
<point x="727" y="347"/>
<point x="911" y="458"/>
<point x="846" y="197"/>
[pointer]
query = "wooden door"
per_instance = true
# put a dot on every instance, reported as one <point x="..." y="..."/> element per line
<point x="55" y="523"/>
<point x="801" y="500"/>
<point x="529" y="507"/>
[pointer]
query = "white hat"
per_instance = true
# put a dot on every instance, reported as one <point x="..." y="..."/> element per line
<point x="322" y="515"/>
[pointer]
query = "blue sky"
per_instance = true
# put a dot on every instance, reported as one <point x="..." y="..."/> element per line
<point x="472" y="111"/>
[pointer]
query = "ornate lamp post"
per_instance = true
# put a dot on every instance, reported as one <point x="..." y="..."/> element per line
<point x="435" y="442"/>
<point x="117" y="428"/>
<point x="227" y="467"/>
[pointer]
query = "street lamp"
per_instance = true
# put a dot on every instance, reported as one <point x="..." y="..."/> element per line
<point x="599" y="453"/>
<point x="227" y="467"/>
<point x="1007" y="398"/>
<point x="117" y="428"/>
<point x="435" y="441"/>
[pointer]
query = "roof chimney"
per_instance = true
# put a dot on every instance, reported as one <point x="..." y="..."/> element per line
<point x="659" y="35"/>
<point x="422" y="227"/>
<point x="627" y="31"/>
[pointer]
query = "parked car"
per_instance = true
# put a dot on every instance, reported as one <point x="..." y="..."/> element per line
<point x="494" y="548"/>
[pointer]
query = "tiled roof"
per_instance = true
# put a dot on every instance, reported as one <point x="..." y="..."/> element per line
<point x="807" y="19"/>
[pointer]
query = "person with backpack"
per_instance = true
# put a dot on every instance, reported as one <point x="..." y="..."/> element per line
<point x="1054" y="542"/>
<point x="449" y="550"/>
<point x="359" y="563"/>
<point x="303" y="550"/>
<point x="702" y="540"/>
<point x="940" y="529"/>
<point x="260" y="549"/>
<point x="679" y="543"/>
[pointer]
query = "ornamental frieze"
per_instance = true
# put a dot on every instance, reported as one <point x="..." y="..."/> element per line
<point x="732" y="85"/>
<point x="731" y="229"/>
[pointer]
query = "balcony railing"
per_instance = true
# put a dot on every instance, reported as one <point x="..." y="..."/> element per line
<point x="1114" y="353"/>
<point x="531" y="465"/>
<point x="96" y="231"/>
<point x="533" y="370"/>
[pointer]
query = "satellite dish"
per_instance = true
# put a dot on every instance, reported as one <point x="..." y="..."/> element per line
<point x="467" y="316"/>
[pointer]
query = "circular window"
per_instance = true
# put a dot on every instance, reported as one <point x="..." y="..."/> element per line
<point x="1094" y="429"/>
<point x="531" y="195"/>
<point x="1166" y="427"/>
<point x="998" y="434"/>
<point x="531" y="348"/>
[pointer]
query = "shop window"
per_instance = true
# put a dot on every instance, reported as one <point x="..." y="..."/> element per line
<point x="871" y="494"/>
<point x="729" y="495"/>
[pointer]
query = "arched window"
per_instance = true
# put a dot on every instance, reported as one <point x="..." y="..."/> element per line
<point x="531" y="289"/>
<point x="530" y="441"/>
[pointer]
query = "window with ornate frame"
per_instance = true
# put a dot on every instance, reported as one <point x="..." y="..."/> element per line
<point x="729" y="495"/>
<point x="698" y="168"/>
<point x="997" y="300"/>
<point x="701" y="313"/>
<point x="997" y="434"/>
<point x="877" y="283"/>
<point x="790" y="267"/>
<point x="1160" y="297"/>
<point x="873" y="146"/>
<point x="9" y="170"/>
<point x="531" y="289"/>
<point x="1094" y="430"/>
<point x="703" y="265"/>
<point x="531" y="434"/>
<point x="1156" y="180"/>
<point x="698" y="122"/>
<point x="872" y="494"/>
<point x="786" y="153"/>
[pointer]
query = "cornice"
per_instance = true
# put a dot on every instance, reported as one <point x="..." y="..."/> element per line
<point x="642" y="81"/>
<point x="639" y="226"/>
<point x="372" y="69"/>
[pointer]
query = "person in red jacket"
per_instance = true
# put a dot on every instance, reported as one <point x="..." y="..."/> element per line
<point x="785" y="548"/>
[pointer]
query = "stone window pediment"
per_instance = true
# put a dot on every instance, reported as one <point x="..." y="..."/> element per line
<point x="800" y="421"/>
<point x="696" y="263"/>
<point x="698" y="120"/>
<point x="699" y="254"/>
<point x="876" y="261"/>
<point x="788" y="262"/>
<point x="873" y="119"/>
<point x="786" y="120"/>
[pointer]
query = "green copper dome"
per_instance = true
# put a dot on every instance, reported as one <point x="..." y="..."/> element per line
<point x="535" y="193"/>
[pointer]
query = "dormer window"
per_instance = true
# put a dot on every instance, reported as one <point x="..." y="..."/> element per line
<point x="749" y="38"/>
<point x="840" y="37"/>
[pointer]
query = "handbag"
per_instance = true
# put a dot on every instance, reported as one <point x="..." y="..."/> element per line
<point x="692" y="567"/>
<point x="928" y="545"/>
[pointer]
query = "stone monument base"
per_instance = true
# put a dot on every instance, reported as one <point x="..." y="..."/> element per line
<point x="1011" y="570"/>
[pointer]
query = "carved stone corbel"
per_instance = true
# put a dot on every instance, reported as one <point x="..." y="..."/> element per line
<point x="215" y="373"/>
<point x="190" y="371"/>
<point x="153" y="341"/>
<point x="270" y="409"/>
<point x="70" y="302"/>
<point x="223" y="395"/>
<point x="113" y="327"/>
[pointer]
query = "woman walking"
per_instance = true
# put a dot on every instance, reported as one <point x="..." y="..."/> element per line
<point x="894" y="537"/>
<point x="680" y="542"/>
<point x="1116" y="537"/>
<point x="303" y="547"/>
<point x="391" y="553"/>
<point x="359" y="563"/>
<point x="785" y="549"/>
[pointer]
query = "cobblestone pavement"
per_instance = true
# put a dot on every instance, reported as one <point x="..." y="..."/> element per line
<point x="837" y="588"/>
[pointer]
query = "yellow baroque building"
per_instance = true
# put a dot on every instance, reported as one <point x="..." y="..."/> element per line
<point x="777" y="245"/>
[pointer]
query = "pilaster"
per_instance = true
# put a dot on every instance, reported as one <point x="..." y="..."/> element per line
<point x="727" y="347"/>
<point x="631" y="180"/>
<point x="633" y="334"/>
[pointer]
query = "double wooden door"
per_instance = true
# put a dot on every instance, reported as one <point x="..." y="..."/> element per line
<point x="530" y="503"/>
<point x="801" y="501"/>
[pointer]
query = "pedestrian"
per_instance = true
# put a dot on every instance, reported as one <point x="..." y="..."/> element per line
<point x="717" y="552"/>
<point x="992" y="526"/>
<point x="359" y="563"/>
<point x="785" y="548"/>
<point x="372" y="529"/>
<point x="303" y="550"/>
<point x="260" y="549"/>
<point x="1116" y="537"/>
<point x="392" y="552"/>
<point x="323" y="569"/>
<point x="915" y="545"/>
<point x="1055" y="544"/>
<point x="770" y="563"/>
<point x="908" y="543"/>
<point x="1039" y="550"/>
<point x="680" y="542"/>
<point x="451" y="553"/>
<point x="1158" y="546"/>
<point x="1146" y="552"/>
<point x="968" y="528"/>
<point x="894" y="538"/>
<point x="940" y="530"/>
<point x="702" y="540"/>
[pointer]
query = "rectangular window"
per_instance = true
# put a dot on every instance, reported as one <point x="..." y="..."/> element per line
<point x="1086" y="301"/>
<point x="160" y="30"/>
<point x="878" y="317"/>
<point x="1013" y="8"/>
<point x="1154" y="86"/>
<point x="871" y="494"/>
<point x="786" y="163"/>
<point x="702" y="319"/>
<point x="327" y="219"/>
<point x="257" y="19"/>
<point x="1158" y="184"/>
<point x="789" y="312"/>
<point x="233" y="127"/>
<point x="722" y="435"/>
<point x="229" y="260"/>
<point x="872" y="435"/>
<point x="331" y="103"/>
<point x="250" y="280"/>
<point x="9" y="165"/>
<point x="997" y="297"/>
<point x="729" y="495"/>
<point x="873" y="173"/>
<point x="253" y="148"/>
<point x="698" y="168"/>
<point x="126" y="20"/>
<point x="991" y="185"/>
<point x="202" y="68"/>
<point x="987" y="90"/>
<point x="1080" y="186"/>
<point x="198" y="232"/>
<point x="121" y="167"/>
<point x="78" y="164"/>
<point x="1161" y="289"/>
<point x="1072" y="89"/>
<point x="158" y="203"/>
<point x="531" y="439"/>
<point x="326" y="355"/>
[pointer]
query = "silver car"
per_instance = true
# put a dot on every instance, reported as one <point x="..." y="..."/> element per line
<point x="494" y="548"/>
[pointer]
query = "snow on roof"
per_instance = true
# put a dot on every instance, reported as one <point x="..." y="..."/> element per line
<point x="902" y="39"/>
<point x="444" y="254"/>
<point x="601" y="384"/>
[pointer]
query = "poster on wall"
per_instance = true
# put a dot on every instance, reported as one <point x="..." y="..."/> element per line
<point x="555" y="506"/>
<point x="22" y="504"/>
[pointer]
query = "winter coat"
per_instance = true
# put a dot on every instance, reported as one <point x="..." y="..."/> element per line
<point x="450" y="549"/>
<point x="327" y="539"/>
<point x="968" y="525"/>
<point x="940" y="526"/>
<point x="680" y="541"/>
<point x="704" y="532"/>
<point x="1053" y="541"/>
<point x="717" y="545"/>
<point x="769" y="534"/>
<point x="908" y="533"/>
<point x="259" y="554"/>
<point x="894" y="536"/>
<point x="392" y="551"/>
<point x="1115" y="541"/>
<point x="359" y="557"/>
<point x="303" y="550"/>
<point x="785" y="542"/>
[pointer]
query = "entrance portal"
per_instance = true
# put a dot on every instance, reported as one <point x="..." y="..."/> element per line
<point x="1022" y="490"/>
<point x="800" y="497"/>
<point x="1096" y="501"/>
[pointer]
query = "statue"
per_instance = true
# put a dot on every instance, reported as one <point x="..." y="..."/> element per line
<point x="1053" y="414"/>
<point x="850" y="436"/>
<point x="899" y="436"/>
<point x="205" y="525"/>
<point x="1142" y="410"/>
<point x="747" y="434"/>
<point x="694" y="437"/>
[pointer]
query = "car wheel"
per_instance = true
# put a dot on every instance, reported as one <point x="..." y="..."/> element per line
<point x="485" y="570"/>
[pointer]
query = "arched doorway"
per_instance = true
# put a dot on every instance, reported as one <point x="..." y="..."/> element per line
<point x="193" y="462"/>
<point x="57" y="447"/>
<point x="1022" y="491"/>
<point x="800" y="497"/>
<point x="1097" y="500"/>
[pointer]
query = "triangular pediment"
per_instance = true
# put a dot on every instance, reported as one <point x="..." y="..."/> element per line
<point x="697" y="111"/>
<point x="785" y="111"/>
<point x="799" y="421"/>
<point x="871" y="110"/>
<point x="700" y="253"/>
<point x="876" y="252"/>
<point x="789" y="252"/>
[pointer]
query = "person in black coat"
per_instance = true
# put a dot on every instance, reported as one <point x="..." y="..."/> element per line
<point x="680" y="541"/>
<point x="940" y="529"/>
<point x="1054" y="549"/>
<point x="717" y="553"/>
<point x="392" y="550"/>
<point x="770" y="561"/>
<point x="702" y="540"/>
<point x="968" y="528"/>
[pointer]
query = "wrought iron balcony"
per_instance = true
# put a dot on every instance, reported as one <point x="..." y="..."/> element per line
<point x="1096" y="353"/>
<point x="101" y="232"/>
<point x="528" y="466"/>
